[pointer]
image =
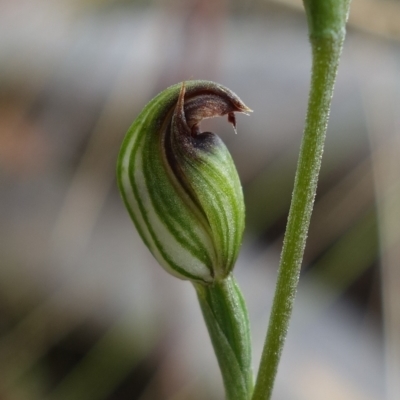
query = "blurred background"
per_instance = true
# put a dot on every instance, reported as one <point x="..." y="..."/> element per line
<point x="85" y="311"/>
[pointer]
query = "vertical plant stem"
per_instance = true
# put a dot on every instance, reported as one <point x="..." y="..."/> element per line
<point x="326" y="43"/>
<point x="225" y="314"/>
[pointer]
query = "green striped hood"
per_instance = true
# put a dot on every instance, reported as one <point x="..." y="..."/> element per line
<point x="180" y="186"/>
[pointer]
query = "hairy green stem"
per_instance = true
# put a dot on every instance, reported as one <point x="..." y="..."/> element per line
<point x="326" y="36"/>
<point x="225" y="314"/>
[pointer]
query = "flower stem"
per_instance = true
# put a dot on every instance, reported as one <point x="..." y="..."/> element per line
<point x="326" y="36"/>
<point x="225" y="314"/>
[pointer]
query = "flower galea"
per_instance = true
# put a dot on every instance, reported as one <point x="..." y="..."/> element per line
<point x="180" y="185"/>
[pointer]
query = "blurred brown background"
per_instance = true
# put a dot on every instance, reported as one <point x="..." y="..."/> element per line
<point x="85" y="311"/>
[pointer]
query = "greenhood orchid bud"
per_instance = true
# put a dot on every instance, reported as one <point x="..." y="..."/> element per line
<point x="180" y="185"/>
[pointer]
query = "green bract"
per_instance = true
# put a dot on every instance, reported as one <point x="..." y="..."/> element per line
<point x="180" y="186"/>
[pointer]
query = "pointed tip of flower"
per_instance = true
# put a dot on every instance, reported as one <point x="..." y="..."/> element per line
<point x="246" y="110"/>
<point x="241" y="107"/>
